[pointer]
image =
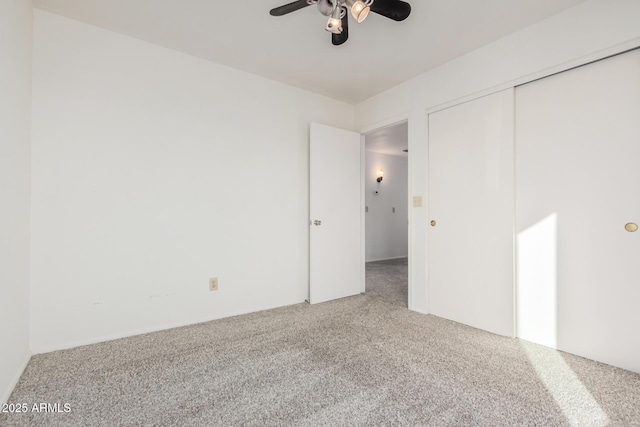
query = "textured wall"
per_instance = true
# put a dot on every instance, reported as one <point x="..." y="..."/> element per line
<point x="154" y="171"/>
<point x="15" y="105"/>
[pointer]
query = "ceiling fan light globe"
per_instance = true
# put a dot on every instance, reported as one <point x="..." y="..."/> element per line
<point x="360" y="12"/>
<point x="334" y="26"/>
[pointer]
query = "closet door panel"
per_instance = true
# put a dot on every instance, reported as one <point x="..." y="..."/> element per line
<point x="471" y="201"/>
<point x="577" y="184"/>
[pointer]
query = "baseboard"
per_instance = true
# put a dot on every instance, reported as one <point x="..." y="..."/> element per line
<point x="12" y="384"/>
<point x="419" y="311"/>
<point x="80" y="343"/>
<point x="387" y="259"/>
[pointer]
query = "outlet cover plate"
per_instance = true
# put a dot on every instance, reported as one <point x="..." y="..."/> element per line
<point x="213" y="284"/>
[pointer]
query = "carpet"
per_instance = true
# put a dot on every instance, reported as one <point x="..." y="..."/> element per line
<point x="388" y="279"/>
<point x="358" y="361"/>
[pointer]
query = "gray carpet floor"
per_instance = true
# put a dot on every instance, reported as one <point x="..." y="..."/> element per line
<point x="388" y="279"/>
<point x="358" y="361"/>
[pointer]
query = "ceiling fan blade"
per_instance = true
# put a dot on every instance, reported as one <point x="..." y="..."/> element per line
<point x="288" y="8"/>
<point x="338" y="39"/>
<point x="397" y="10"/>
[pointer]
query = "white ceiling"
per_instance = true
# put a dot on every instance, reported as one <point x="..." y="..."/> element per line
<point x="295" y="49"/>
<point x="391" y="140"/>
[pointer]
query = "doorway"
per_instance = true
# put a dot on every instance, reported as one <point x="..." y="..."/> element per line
<point x="386" y="213"/>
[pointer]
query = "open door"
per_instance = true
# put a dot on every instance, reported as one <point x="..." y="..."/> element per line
<point x="335" y="266"/>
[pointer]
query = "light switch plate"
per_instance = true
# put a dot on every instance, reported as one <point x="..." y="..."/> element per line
<point x="417" y="201"/>
<point x="213" y="284"/>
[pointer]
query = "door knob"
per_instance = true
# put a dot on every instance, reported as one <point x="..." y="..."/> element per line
<point x="433" y="223"/>
<point x="316" y="222"/>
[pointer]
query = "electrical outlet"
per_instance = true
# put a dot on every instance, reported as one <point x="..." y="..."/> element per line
<point x="417" y="201"/>
<point x="213" y="284"/>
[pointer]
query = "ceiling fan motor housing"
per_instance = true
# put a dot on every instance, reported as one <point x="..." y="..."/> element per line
<point x="325" y="7"/>
<point x="336" y="10"/>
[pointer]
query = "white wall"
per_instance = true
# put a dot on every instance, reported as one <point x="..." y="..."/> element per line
<point x="15" y="105"/>
<point x="591" y="30"/>
<point x="153" y="171"/>
<point x="385" y="230"/>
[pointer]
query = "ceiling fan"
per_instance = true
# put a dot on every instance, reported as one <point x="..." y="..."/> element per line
<point x="337" y="11"/>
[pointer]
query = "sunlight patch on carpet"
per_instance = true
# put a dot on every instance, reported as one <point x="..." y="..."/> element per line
<point x="574" y="399"/>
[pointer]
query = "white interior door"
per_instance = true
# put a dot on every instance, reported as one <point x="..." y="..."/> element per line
<point x="577" y="165"/>
<point x="335" y="266"/>
<point x="471" y="206"/>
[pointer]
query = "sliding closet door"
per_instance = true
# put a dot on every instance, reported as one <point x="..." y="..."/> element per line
<point x="471" y="212"/>
<point x="578" y="185"/>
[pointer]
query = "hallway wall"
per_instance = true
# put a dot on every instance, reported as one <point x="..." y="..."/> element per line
<point x="385" y="230"/>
